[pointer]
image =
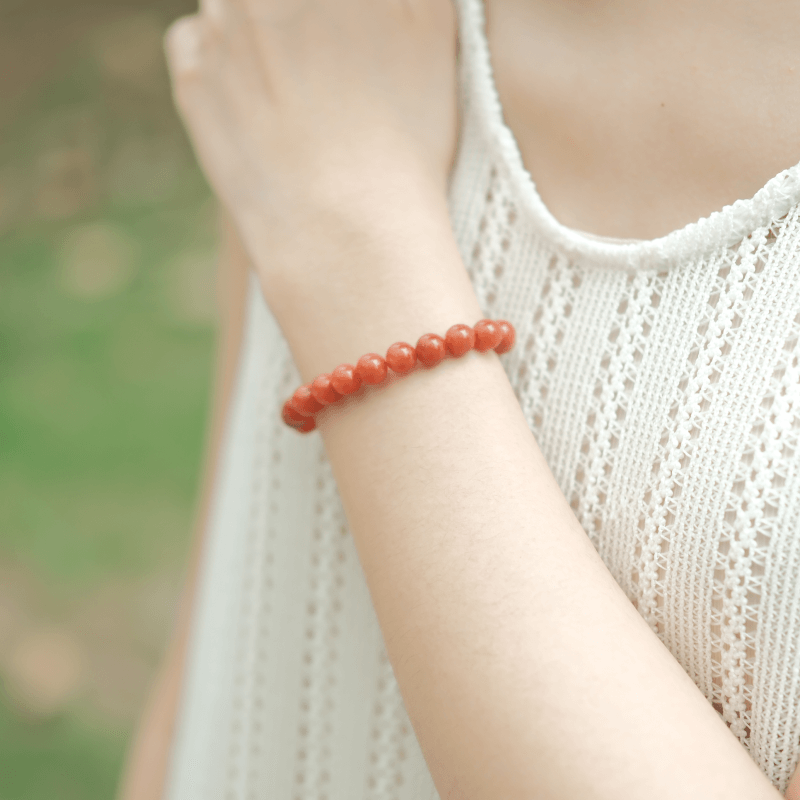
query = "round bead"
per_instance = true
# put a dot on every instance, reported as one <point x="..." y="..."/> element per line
<point x="304" y="402"/>
<point x="487" y="335"/>
<point x="345" y="379"/>
<point x="401" y="357"/>
<point x="509" y="336"/>
<point x="372" y="368"/>
<point x="295" y="420"/>
<point x="323" y="390"/>
<point x="459" y="339"/>
<point x="430" y="349"/>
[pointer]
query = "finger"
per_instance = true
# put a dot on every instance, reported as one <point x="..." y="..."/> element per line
<point x="184" y="44"/>
<point x="229" y="25"/>
<point x="215" y="11"/>
<point x="277" y="13"/>
<point x="224" y="16"/>
<point x="194" y="58"/>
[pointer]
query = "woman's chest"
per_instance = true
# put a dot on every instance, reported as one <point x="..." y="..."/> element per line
<point x="635" y="120"/>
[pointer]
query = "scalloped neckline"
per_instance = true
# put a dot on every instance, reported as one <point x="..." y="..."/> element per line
<point x="723" y="228"/>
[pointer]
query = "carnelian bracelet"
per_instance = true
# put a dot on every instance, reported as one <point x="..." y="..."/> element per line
<point x="299" y="410"/>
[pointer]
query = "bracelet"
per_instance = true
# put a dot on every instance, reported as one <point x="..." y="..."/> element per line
<point x="299" y="410"/>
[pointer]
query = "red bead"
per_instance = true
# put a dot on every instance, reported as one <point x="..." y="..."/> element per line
<point x="323" y="391"/>
<point x="303" y="401"/>
<point x="459" y="339"/>
<point x="295" y="420"/>
<point x="430" y="349"/>
<point x="487" y="335"/>
<point x="508" y="338"/>
<point x="345" y="379"/>
<point x="401" y="357"/>
<point x="372" y="368"/>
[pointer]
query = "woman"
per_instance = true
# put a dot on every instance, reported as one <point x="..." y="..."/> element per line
<point x="624" y="626"/>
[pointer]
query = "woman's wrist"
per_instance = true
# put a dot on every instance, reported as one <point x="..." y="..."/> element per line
<point x="361" y="287"/>
<point x="329" y="230"/>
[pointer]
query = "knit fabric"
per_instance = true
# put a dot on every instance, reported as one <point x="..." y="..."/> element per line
<point x="661" y="380"/>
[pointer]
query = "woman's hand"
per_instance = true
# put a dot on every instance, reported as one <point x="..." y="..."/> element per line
<point x="312" y="115"/>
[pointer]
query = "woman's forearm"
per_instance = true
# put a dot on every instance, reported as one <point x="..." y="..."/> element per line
<point x="525" y="670"/>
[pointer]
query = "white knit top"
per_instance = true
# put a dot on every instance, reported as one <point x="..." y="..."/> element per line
<point x="662" y="382"/>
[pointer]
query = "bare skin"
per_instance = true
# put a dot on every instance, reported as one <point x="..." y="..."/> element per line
<point x="667" y="166"/>
<point x="637" y="118"/>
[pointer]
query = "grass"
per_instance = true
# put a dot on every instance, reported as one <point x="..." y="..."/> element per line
<point x="56" y="759"/>
<point x="107" y="240"/>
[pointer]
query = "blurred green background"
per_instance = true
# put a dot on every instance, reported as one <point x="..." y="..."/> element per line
<point x="107" y="316"/>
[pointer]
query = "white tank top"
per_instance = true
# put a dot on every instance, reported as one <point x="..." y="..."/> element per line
<point x="662" y="382"/>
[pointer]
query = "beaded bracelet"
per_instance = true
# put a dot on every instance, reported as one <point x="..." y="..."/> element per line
<point x="299" y="410"/>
